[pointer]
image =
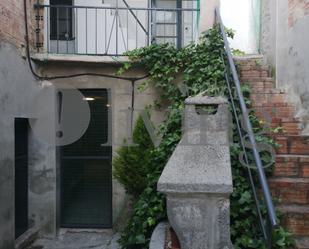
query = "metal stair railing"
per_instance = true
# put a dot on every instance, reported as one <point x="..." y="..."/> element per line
<point x="231" y="71"/>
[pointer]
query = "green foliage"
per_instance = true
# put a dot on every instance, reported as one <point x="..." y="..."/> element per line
<point x="130" y="166"/>
<point x="238" y="52"/>
<point x="201" y="68"/>
<point x="148" y="211"/>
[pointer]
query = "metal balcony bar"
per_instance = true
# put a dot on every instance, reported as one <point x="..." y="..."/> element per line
<point x="108" y="30"/>
<point x="135" y="17"/>
<point x="40" y="6"/>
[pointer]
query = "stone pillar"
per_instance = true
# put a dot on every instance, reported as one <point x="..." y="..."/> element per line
<point x="197" y="179"/>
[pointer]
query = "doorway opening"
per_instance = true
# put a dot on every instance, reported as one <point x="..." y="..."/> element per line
<point x="21" y="176"/>
<point x="86" y="170"/>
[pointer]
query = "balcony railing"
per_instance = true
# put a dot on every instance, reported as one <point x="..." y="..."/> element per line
<point x="106" y="30"/>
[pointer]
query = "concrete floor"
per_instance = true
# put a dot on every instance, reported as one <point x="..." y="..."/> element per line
<point x="79" y="239"/>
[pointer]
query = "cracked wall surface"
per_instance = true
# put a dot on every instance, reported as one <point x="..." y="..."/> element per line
<point x="18" y="89"/>
<point x="285" y="40"/>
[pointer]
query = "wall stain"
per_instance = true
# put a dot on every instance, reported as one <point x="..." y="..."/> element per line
<point x="7" y="215"/>
<point x="6" y="166"/>
<point x="6" y="244"/>
<point x="41" y="181"/>
<point x="297" y="10"/>
<point x="4" y="101"/>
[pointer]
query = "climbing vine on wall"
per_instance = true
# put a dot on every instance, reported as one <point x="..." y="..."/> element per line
<point x="199" y="67"/>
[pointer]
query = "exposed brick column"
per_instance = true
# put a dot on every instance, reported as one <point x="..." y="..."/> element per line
<point x="12" y="24"/>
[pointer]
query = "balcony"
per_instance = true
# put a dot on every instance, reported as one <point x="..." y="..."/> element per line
<point x="103" y="28"/>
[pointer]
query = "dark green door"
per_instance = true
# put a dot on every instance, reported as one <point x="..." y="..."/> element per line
<point x="86" y="171"/>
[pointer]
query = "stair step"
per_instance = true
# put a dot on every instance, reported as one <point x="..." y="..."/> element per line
<point x="253" y="73"/>
<point x="290" y="190"/>
<point x="291" y="166"/>
<point x="293" y="144"/>
<point x="249" y="60"/>
<point x="262" y="99"/>
<point x="253" y="66"/>
<point x="256" y="79"/>
<point x="302" y="242"/>
<point x="284" y="106"/>
<point x="261" y="89"/>
<point x="275" y="120"/>
<point x="295" y="219"/>
<point x="283" y="112"/>
<point x="288" y="128"/>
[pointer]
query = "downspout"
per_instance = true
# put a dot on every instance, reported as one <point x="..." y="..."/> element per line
<point x="260" y="28"/>
<point x="179" y="24"/>
<point x="256" y="25"/>
<point x="197" y="21"/>
<point x="198" y="6"/>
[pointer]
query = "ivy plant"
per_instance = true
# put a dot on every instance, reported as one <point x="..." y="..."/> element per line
<point x="200" y="67"/>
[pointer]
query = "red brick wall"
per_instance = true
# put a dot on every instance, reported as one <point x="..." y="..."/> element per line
<point x="11" y="22"/>
<point x="12" y="28"/>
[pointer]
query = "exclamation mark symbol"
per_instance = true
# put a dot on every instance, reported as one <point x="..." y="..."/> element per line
<point x="59" y="133"/>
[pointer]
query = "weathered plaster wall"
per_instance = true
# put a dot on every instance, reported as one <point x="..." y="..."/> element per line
<point x="42" y="184"/>
<point x="12" y="28"/>
<point x="269" y="29"/>
<point x="207" y="15"/>
<point x="287" y="49"/>
<point x="18" y="89"/>
<point x="121" y="103"/>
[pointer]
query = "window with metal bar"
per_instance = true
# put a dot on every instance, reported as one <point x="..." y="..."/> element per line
<point x="61" y="20"/>
<point x="176" y="26"/>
